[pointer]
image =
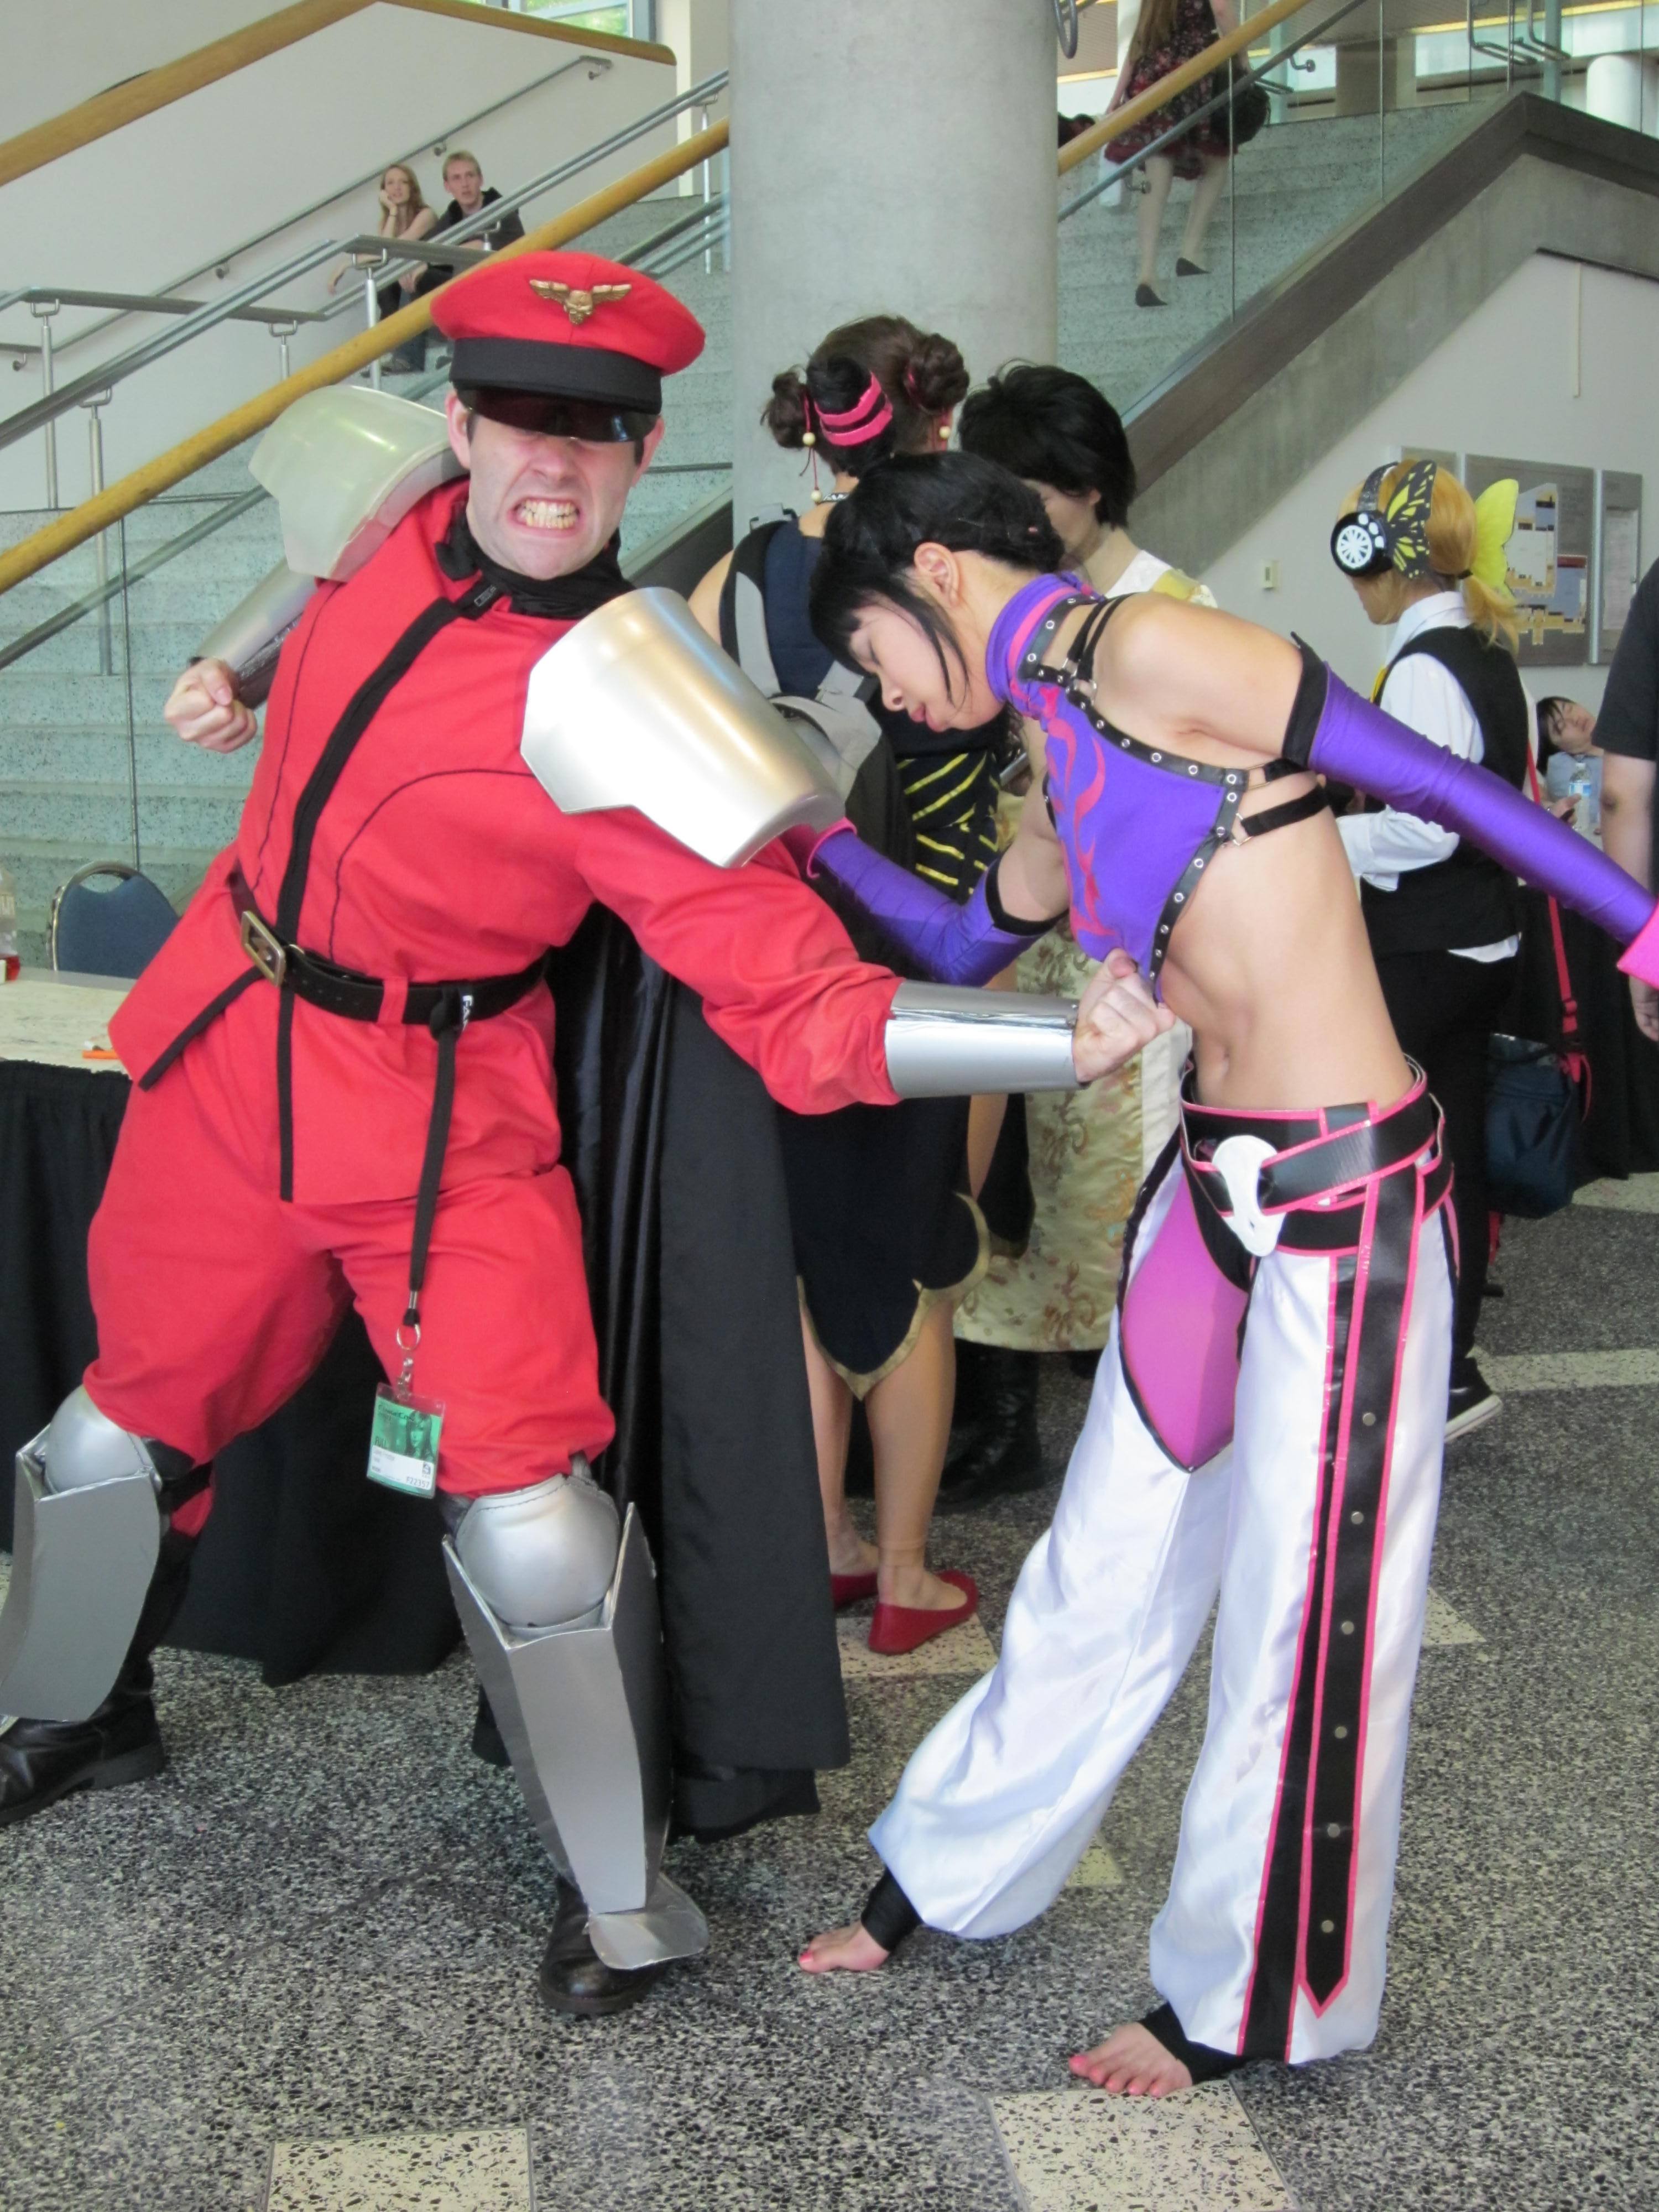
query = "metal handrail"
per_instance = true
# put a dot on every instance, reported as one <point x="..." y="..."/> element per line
<point x="595" y="65"/>
<point x="1530" y="42"/>
<point x="699" y="95"/>
<point x="145" y="303"/>
<point x="1114" y="173"/>
<point x="109" y="373"/>
<point x="1158" y="95"/>
<point x="656" y="256"/>
<point x="141" y="484"/>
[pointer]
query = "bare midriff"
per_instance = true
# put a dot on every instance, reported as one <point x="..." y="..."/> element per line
<point x="1270" y="965"/>
<point x="1271" y="969"/>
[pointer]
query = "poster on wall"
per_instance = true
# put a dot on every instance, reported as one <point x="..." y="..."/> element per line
<point x="1619" y="557"/>
<point x="1548" y="555"/>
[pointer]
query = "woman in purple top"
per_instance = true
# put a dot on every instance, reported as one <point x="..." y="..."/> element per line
<point x="1290" y="1467"/>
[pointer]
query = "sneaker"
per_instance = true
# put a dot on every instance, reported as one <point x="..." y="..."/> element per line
<point x="1470" y="1404"/>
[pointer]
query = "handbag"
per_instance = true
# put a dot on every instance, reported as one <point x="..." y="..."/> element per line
<point x="1247" y="111"/>
<point x="1537" y="1096"/>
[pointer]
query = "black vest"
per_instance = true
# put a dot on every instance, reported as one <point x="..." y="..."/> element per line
<point x="1469" y="899"/>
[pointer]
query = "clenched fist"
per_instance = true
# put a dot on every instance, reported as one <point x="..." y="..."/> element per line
<point x="204" y="710"/>
<point x="1117" y="1018"/>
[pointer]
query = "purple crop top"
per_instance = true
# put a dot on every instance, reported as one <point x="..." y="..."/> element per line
<point x="1137" y="826"/>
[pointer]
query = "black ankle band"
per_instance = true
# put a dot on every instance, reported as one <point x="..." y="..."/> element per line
<point x="1201" y="2060"/>
<point x="888" y="1916"/>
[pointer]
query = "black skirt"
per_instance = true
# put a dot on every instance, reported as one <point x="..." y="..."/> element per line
<point x="878" y="1205"/>
<point x="882" y="1226"/>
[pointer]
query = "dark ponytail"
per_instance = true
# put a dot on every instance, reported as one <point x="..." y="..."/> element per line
<point x="922" y="375"/>
<point x="954" y="499"/>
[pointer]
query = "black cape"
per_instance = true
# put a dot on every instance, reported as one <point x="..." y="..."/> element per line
<point x="305" y="1566"/>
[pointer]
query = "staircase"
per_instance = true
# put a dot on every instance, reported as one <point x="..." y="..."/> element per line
<point x="75" y="743"/>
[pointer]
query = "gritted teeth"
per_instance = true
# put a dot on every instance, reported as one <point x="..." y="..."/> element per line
<point x="548" y="514"/>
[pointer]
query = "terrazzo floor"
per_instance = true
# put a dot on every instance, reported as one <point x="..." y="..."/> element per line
<point x="297" y="1972"/>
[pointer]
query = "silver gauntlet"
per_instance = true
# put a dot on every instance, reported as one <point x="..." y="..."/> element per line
<point x="250" y="638"/>
<point x="946" y="1041"/>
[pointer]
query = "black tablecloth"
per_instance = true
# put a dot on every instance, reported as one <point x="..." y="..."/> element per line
<point x="303" y="1564"/>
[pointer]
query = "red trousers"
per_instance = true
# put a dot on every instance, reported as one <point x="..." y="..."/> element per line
<point x="215" y="1301"/>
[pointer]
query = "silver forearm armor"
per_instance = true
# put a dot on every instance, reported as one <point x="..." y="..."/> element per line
<point x="249" y="641"/>
<point x="945" y="1040"/>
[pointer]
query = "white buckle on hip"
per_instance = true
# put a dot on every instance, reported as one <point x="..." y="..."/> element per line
<point x="1238" y="1161"/>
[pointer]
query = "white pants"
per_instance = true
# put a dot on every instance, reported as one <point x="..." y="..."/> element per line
<point x="1003" y="1798"/>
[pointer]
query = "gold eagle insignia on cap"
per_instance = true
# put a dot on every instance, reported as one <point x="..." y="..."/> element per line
<point x="578" y="304"/>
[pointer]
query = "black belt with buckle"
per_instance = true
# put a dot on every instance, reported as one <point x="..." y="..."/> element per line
<point x="357" y="998"/>
<point x="444" y="1009"/>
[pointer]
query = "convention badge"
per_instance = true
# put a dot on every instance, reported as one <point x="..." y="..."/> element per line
<point x="403" y="1444"/>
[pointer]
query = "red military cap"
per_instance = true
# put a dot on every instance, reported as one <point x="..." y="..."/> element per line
<point x="569" y="324"/>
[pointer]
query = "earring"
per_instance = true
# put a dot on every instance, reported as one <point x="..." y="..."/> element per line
<point x="812" y="444"/>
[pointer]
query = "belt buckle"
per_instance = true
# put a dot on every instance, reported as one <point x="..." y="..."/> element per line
<point x="265" y="948"/>
<point x="1238" y="1161"/>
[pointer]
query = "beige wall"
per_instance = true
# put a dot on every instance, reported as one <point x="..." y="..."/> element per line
<point x="1531" y="374"/>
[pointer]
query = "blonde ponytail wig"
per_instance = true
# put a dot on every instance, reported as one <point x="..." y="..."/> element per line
<point x="1466" y="539"/>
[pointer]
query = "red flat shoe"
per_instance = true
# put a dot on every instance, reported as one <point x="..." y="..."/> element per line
<point x="848" y="1590"/>
<point x="900" y="1628"/>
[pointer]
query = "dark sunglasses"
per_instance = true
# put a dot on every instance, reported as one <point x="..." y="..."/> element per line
<point x="545" y="414"/>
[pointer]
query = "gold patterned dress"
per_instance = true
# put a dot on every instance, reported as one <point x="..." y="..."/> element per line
<point x="1089" y="1149"/>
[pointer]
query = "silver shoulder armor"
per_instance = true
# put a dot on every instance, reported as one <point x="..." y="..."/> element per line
<point x="636" y="706"/>
<point x="344" y="466"/>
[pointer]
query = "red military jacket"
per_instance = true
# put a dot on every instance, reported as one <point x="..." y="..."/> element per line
<point x="436" y="856"/>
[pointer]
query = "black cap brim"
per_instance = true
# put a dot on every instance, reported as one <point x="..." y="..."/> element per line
<point x="566" y="371"/>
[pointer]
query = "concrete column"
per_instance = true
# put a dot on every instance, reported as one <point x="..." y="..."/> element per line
<point x="697" y="32"/>
<point x="885" y="160"/>
<point x="1618" y="88"/>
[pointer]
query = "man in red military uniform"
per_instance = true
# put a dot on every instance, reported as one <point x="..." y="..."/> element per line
<point x="344" y="1094"/>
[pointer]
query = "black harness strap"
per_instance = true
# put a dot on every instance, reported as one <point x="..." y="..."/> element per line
<point x="448" y="1020"/>
<point x="1280" y="818"/>
<point x="365" y="703"/>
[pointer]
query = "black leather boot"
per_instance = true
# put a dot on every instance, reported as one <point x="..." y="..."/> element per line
<point x="573" y="1979"/>
<point x="1003" y="1456"/>
<point x="41" y="1761"/>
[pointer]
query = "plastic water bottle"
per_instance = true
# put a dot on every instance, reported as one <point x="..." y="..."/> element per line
<point x="1578" y="790"/>
<point x="10" y="963"/>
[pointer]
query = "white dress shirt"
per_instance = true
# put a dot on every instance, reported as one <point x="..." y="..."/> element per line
<point x="1425" y="694"/>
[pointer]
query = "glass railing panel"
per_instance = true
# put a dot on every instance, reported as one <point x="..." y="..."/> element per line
<point x="66" y="761"/>
<point x="89" y="648"/>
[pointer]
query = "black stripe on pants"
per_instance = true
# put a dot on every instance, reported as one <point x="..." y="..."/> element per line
<point x="1317" y="1823"/>
<point x="1443" y="1008"/>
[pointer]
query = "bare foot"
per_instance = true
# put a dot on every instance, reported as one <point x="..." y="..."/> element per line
<point x="843" y="1950"/>
<point x="1132" y="2063"/>
<point x="916" y="1587"/>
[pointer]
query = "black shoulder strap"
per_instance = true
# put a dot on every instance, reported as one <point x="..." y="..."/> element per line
<point x="747" y="565"/>
<point x="1036" y="671"/>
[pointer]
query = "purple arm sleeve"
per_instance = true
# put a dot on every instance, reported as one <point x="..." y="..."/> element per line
<point x="950" y="943"/>
<point x="1345" y="736"/>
